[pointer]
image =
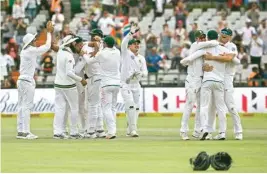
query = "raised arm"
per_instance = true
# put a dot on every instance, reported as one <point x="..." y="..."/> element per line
<point x="124" y="44"/>
<point x="44" y="48"/>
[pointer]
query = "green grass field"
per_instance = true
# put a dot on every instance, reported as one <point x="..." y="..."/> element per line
<point x="158" y="149"/>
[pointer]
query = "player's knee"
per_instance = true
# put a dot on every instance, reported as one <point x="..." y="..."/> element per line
<point x="137" y="107"/>
<point x="129" y="105"/>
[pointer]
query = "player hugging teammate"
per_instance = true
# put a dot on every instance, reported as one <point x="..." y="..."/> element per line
<point x="211" y="69"/>
<point x="88" y="79"/>
<point x="90" y="74"/>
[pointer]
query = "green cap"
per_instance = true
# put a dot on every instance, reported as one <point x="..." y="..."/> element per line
<point x="109" y="41"/>
<point x="132" y="41"/>
<point x="227" y="31"/>
<point x="212" y="35"/>
<point x="199" y="33"/>
<point x="79" y="39"/>
<point x="97" y="32"/>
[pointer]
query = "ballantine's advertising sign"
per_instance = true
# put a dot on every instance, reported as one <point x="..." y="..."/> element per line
<point x="164" y="100"/>
<point x="43" y="101"/>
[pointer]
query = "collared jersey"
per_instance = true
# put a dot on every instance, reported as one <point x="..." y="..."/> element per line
<point x="230" y="66"/>
<point x="65" y="75"/>
<point x="129" y="60"/>
<point x="28" y="58"/>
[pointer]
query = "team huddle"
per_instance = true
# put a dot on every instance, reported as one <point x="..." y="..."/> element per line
<point x="209" y="83"/>
<point x="88" y="79"/>
<point x="90" y="75"/>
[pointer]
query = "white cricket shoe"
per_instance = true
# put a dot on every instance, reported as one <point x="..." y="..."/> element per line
<point x="61" y="136"/>
<point x="100" y="134"/>
<point x="90" y="135"/>
<point x="239" y="136"/>
<point x="76" y="136"/>
<point x="196" y="134"/>
<point x="110" y="136"/>
<point x="184" y="136"/>
<point x="30" y="136"/>
<point x="209" y="136"/>
<point x="134" y="134"/>
<point x="220" y="136"/>
<point x="20" y="135"/>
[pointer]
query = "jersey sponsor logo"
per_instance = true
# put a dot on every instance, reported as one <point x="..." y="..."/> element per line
<point x="70" y="61"/>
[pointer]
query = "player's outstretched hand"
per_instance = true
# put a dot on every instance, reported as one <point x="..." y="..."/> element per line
<point x="83" y="82"/>
<point x="49" y="27"/>
<point x="134" y="28"/>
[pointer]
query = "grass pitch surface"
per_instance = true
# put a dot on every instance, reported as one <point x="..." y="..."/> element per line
<point x="158" y="149"/>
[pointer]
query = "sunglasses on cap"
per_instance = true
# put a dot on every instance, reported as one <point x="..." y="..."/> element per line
<point x="225" y="33"/>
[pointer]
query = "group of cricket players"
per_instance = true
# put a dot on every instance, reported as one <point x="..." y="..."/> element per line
<point x="88" y="79"/>
<point x="209" y="84"/>
<point x="90" y="75"/>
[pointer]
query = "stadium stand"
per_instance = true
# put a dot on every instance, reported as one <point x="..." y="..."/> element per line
<point x="165" y="29"/>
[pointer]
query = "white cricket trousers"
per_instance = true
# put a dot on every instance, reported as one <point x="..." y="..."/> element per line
<point x="229" y="101"/>
<point x="95" y="115"/>
<point x="192" y="87"/>
<point x="82" y="120"/>
<point x="63" y="98"/>
<point x="26" y="89"/>
<point x="108" y="102"/>
<point x="216" y="89"/>
<point x="131" y="96"/>
<point x="82" y="111"/>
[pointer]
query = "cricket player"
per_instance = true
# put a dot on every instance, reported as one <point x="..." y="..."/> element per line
<point x="193" y="84"/>
<point x="213" y="84"/>
<point x="225" y="39"/>
<point x="26" y="83"/>
<point x="94" y="123"/>
<point x="66" y="89"/>
<point x="132" y="70"/>
<point x="109" y="60"/>
<point x="79" y="70"/>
